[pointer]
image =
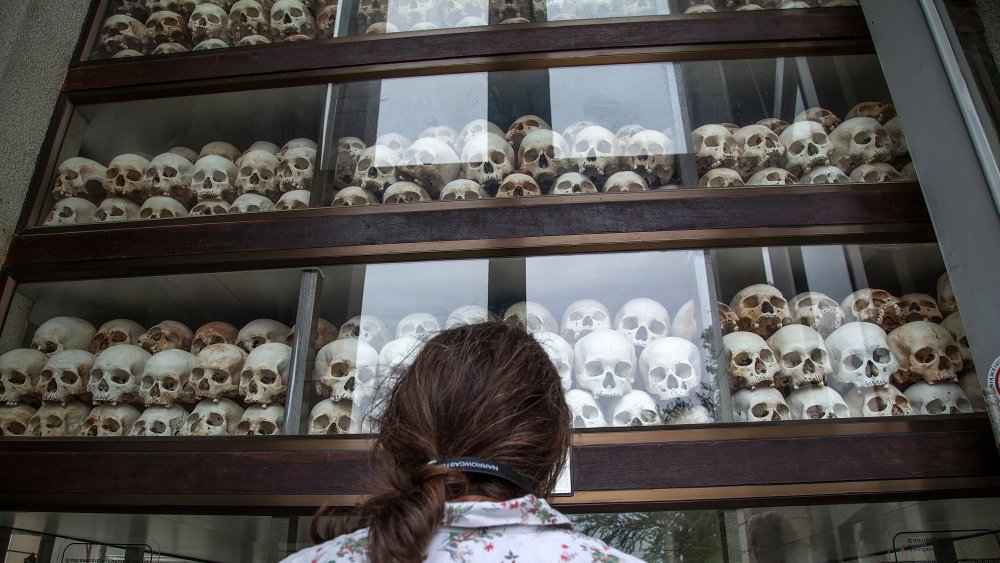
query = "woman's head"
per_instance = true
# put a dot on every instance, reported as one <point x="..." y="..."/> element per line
<point x="485" y="391"/>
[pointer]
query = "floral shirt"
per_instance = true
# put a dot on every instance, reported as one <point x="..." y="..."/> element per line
<point x="521" y="530"/>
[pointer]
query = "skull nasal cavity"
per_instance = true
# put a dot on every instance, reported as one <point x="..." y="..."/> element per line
<point x="609" y="381"/>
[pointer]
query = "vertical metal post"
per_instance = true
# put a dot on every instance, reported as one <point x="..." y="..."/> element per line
<point x="46" y="545"/>
<point x="303" y="353"/>
<point x="955" y="162"/>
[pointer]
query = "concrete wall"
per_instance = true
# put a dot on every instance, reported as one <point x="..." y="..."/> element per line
<point x="36" y="44"/>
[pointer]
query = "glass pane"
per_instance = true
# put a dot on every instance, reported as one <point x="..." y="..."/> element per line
<point x="614" y="129"/>
<point x="185" y="355"/>
<point x="876" y="324"/>
<point x="133" y="28"/>
<point x="239" y="152"/>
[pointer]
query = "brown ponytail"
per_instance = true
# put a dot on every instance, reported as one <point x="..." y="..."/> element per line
<point x="484" y="391"/>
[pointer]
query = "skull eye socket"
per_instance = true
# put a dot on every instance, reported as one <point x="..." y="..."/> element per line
<point x="742" y="359"/>
<point x="881" y="355"/>
<point x="386" y="169"/>
<point x="150" y="173"/>
<point x="791" y="359"/>
<point x="760" y="410"/>
<point x="111" y="174"/>
<point x="134" y="175"/>
<point x="169" y="383"/>
<point x="713" y="142"/>
<point x="798" y="147"/>
<point x="111" y="426"/>
<point x="924" y="355"/>
<point x="158" y="427"/>
<point x="198" y="373"/>
<point x="53" y="421"/>
<point x="860" y="304"/>
<point x="853" y="362"/>
<point x="531" y="154"/>
<point x="215" y="419"/>
<point x="657" y="327"/>
<point x="268" y="377"/>
<point x="818" y="356"/>
<point x="300" y="163"/>
<point x="777" y="302"/>
<point x="120" y="377"/>
<point x="862" y="138"/>
<point x="498" y="157"/>
<point x="246" y="171"/>
<point x="819" y="138"/>
<point x="277" y="15"/>
<point x="603" y="147"/>
<point x="69" y="378"/>
<point x="657" y="375"/>
<point x="622" y="369"/>
<point x="213" y="19"/>
<point x="589" y="411"/>
<point x="16" y="378"/>
<point x="266" y="428"/>
<point x="199" y="176"/>
<point x="935" y="406"/>
<point x="750" y="302"/>
<point x="218" y="176"/>
<point x="952" y="353"/>
<point x="630" y="323"/>
<point x="296" y="12"/>
<point x="767" y="355"/>
<point x="599" y="316"/>
<point x="321" y="422"/>
<point x="594" y="369"/>
<point x="146" y="382"/>
<point x="344" y="423"/>
<point x="220" y="376"/>
<point x="815" y="412"/>
<point x="648" y="416"/>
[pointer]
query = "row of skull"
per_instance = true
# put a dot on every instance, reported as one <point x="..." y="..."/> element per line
<point x="762" y="309"/>
<point x="207" y="418"/>
<point x="175" y="26"/>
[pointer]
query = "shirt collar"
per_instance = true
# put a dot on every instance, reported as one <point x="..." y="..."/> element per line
<point x="527" y="510"/>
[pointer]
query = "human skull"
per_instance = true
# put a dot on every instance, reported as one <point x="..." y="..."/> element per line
<point x="295" y="172"/>
<point x="57" y="419"/>
<point x="860" y="140"/>
<point x="215" y="332"/>
<point x="349" y="151"/>
<point x="290" y="18"/>
<point x="714" y="147"/>
<point x="430" y="163"/>
<point x="405" y="192"/>
<point x="521" y="127"/>
<point x="407" y="13"/>
<point x="925" y="351"/>
<point x="213" y="418"/>
<point x="573" y="183"/>
<point x="625" y="132"/>
<point x="124" y="177"/>
<point x="466" y="315"/>
<point x="138" y="9"/>
<point x="807" y="146"/>
<point x="900" y="148"/>
<point x="418" y="325"/>
<point x="117" y="331"/>
<point x="264" y="378"/>
<point x="209" y="21"/>
<point x="210" y="208"/>
<point x="122" y="33"/>
<point x="169" y="175"/>
<point x="583" y="317"/>
<point x="15" y="420"/>
<point x="326" y="19"/>
<point x="167" y="27"/>
<point x="584" y="409"/>
<point x="214" y="178"/>
<point x="761" y="309"/>
<point x="167" y="48"/>
<point x="325" y="334"/>
<point x="65" y="376"/>
<point x="261" y="420"/>
<point x="19" y="375"/>
<point x="441" y="133"/>
<point x="519" y="185"/>
<point x="456" y="10"/>
<point x="938" y="398"/>
<point x="114" y="377"/>
<point x="920" y="307"/>
<point x="875" y="173"/>
<point x="874" y="306"/>
<point x="774" y="124"/>
<point x="641" y="321"/>
<point x="824" y="117"/>
<point x="560" y="353"/>
<point x="570" y="132"/>
<point x="295" y="199"/>
<point x="533" y="316"/>
<point x="670" y="368"/>
<point x="376" y="169"/>
<point x="772" y="177"/>
<point x="878" y="111"/>
<point x="625" y="181"/>
<point x="216" y="371"/>
<point x="251" y="203"/>
<point x="247" y="18"/>
<point x="760" y="148"/>
<point x="261" y="331"/>
<point x="487" y="158"/>
<point x="751" y="363"/>
<point x="473" y="128"/>
<point x="817" y="403"/>
<point x="162" y="207"/>
<point x="114" y="209"/>
<point x="882" y="400"/>
<point x="604" y="363"/>
<point x="635" y="408"/>
<point x="159" y="421"/>
<point x="802" y="355"/>
<point x="353" y="196"/>
<point x="825" y="175"/>
<point x="71" y="211"/>
<point x="366" y="328"/>
<point x="501" y="10"/>
<point x="595" y="153"/>
<point x="166" y="378"/>
<point x="109" y="420"/>
<point x="331" y="417"/>
<point x="341" y="364"/>
<point x="167" y="335"/>
<point x="63" y="333"/>
<point x="80" y="177"/>
<point x="650" y="154"/>
<point x="861" y="357"/>
<point x="946" y="295"/>
<point x="817" y="311"/>
<point x="760" y="405"/>
<point x="953" y="324"/>
<point x="256" y="174"/>
<point x="685" y="323"/>
<point x="543" y="154"/>
<point x="721" y="178"/>
<point x="463" y="189"/>
<point x="297" y="143"/>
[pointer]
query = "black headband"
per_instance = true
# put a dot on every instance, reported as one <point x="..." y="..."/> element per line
<point x="485" y="467"/>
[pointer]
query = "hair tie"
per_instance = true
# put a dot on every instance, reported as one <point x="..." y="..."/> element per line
<point x="485" y="467"/>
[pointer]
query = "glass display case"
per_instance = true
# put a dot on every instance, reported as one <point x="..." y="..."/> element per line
<point x="710" y="221"/>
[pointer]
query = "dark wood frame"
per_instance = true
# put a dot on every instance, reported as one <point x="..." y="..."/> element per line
<point x="808" y="462"/>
